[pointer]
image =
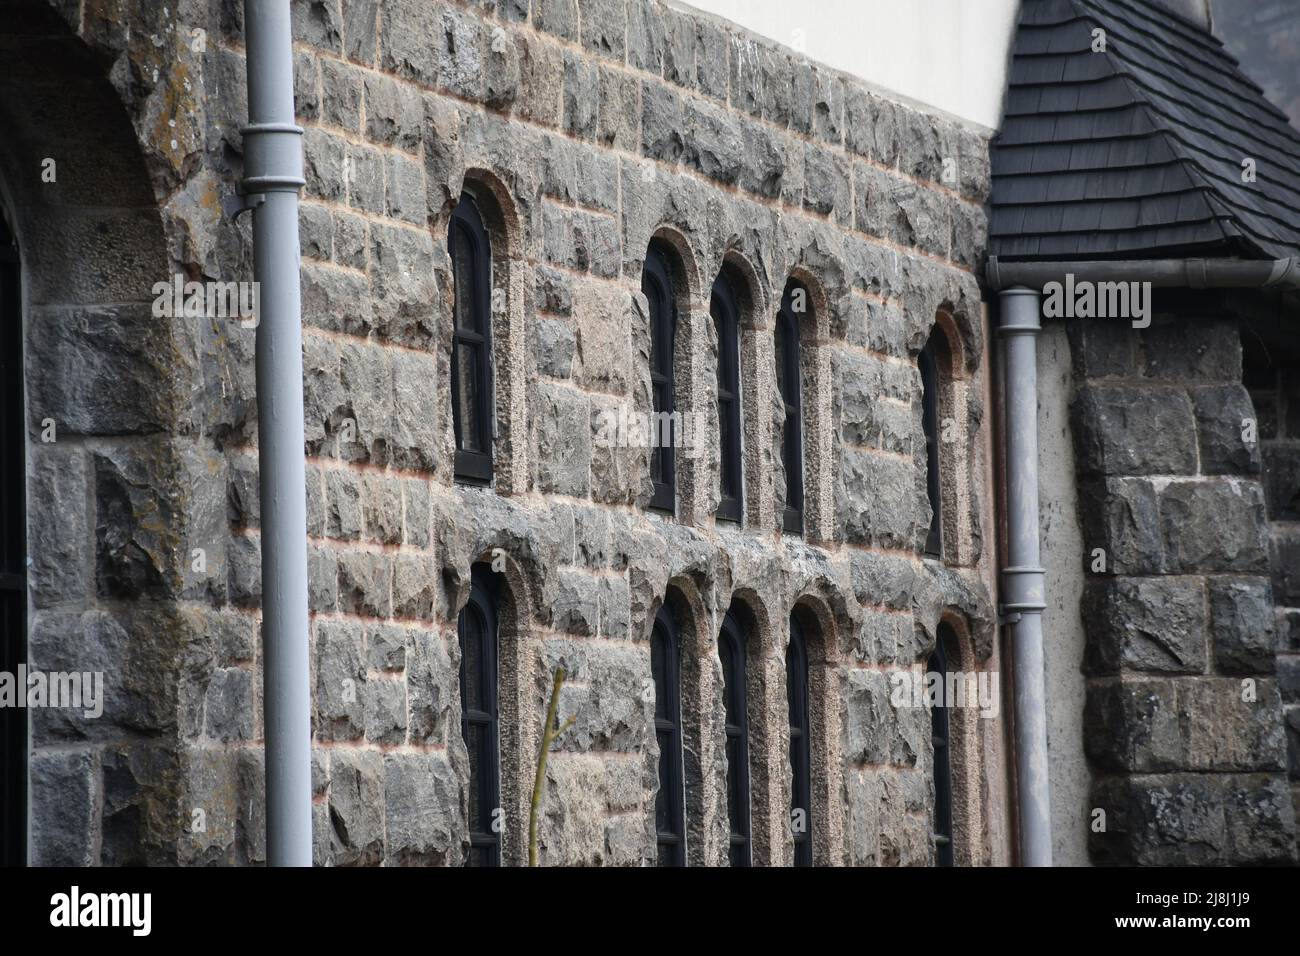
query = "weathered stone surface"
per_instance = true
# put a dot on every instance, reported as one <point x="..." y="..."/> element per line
<point x="1121" y="516"/>
<point x="1133" y="431"/>
<point x="356" y="807"/>
<point x="1184" y="350"/>
<point x="1241" y="615"/>
<point x="1146" y="624"/>
<point x="1215" y="525"/>
<point x="340" y="693"/>
<point x="564" y="430"/>
<point x="98" y="371"/>
<point x="58" y="528"/>
<point x="423" y="815"/>
<point x="65" y="812"/>
<point x="1224" y="420"/>
<point x="432" y="686"/>
<point x="1134" y="726"/>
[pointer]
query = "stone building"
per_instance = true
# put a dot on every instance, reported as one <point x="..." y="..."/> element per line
<point x="528" y="230"/>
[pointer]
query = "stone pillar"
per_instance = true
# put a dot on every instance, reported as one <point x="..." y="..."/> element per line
<point x="1183" y="716"/>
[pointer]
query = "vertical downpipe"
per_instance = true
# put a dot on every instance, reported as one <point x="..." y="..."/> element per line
<point x="1023" y="579"/>
<point x="273" y="168"/>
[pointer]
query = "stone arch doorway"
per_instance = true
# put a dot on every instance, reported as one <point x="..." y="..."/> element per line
<point x="92" y="505"/>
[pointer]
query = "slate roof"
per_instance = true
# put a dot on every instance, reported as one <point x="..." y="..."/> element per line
<point x="1136" y="152"/>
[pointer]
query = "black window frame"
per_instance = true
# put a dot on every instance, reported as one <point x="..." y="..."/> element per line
<point x="13" y="550"/>
<point x="657" y="285"/>
<point x="941" y="741"/>
<point x="666" y="670"/>
<point x="790" y="385"/>
<point x="485" y="843"/>
<point x="796" y="684"/>
<point x="466" y="226"/>
<point x="723" y="305"/>
<point x="929" y="368"/>
<point x="735" y="665"/>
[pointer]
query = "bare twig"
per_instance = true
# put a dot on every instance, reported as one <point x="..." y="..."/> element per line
<point x="549" y="733"/>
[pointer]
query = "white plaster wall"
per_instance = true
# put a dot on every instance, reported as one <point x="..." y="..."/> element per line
<point x="947" y="54"/>
<point x="1063" y="634"/>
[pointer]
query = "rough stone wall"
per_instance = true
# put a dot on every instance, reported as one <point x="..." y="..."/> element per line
<point x="1183" y="717"/>
<point x="1273" y="377"/>
<point x="587" y="128"/>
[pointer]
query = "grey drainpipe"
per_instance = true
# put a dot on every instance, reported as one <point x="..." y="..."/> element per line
<point x="1024" y="580"/>
<point x="273" y="175"/>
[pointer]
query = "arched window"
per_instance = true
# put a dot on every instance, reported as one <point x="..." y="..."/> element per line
<point x="726" y="319"/>
<point x="479" y="715"/>
<point x="665" y="668"/>
<point x="471" y="345"/>
<point x="789" y="382"/>
<point x="657" y="284"/>
<point x="940" y="735"/>
<point x="796" y="684"/>
<point x="731" y="651"/>
<point x="13" y="551"/>
<point x="929" y="366"/>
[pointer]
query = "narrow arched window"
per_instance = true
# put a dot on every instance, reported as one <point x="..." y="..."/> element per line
<point x="789" y="382"/>
<point x="929" y="368"/>
<point x="471" y="344"/>
<point x="657" y="284"/>
<point x="726" y="320"/>
<point x="796" y="684"/>
<point x="479" y="715"/>
<point x="665" y="668"/>
<point x="940" y="735"/>
<point x="731" y="652"/>
<point x="13" y="551"/>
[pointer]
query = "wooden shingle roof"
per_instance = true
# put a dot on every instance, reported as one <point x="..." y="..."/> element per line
<point x="1138" y="151"/>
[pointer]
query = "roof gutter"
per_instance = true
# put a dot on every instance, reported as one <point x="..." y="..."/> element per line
<point x="1020" y="287"/>
<point x="1281" y="274"/>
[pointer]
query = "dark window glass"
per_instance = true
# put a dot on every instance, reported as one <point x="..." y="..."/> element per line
<point x="789" y="383"/>
<point x="796" y="683"/>
<point x="657" y="284"/>
<point x="930" y="424"/>
<point x="726" y="321"/>
<point x="665" y="667"/>
<point x="479" y="718"/>
<point x="939" y="731"/>
<point x="731" y="651"/>
<point x="471" y="348"/>
<point x="13" y="550"/>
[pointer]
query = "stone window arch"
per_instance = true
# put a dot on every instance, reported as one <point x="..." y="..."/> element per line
<point x="477" y="631"/>
<point x="734" y="655"/>
<point x="472" y="392"/>
<point x="811" y="622"/>
<point x="946" y="439"/>
<point x="499" y="310"/>
<point x="968" y="814"/>
<point x="804" y="502"/>
<point x="670" y="256"/>
<point x="724" y="307"/>
<point x="658" y="286"/>
<point x="670" y="797"/>
<point x="500" y="579"/>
